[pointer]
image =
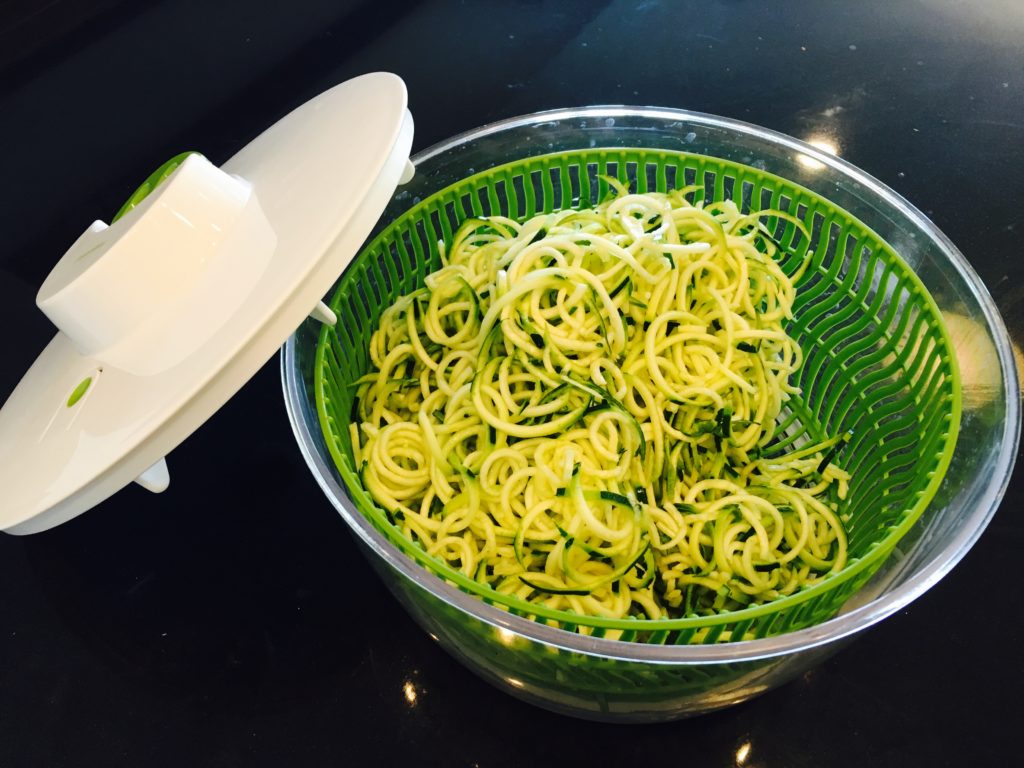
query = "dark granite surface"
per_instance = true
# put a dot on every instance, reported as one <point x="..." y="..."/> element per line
<point x="211" y="625"/>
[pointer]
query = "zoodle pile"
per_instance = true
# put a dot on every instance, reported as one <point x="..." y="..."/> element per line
<point x="581" y="410"/>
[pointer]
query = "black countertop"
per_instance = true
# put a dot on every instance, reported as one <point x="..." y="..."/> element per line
<point x="207" y="625"/>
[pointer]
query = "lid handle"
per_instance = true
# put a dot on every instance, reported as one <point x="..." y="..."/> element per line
<point x="195" y="241"/>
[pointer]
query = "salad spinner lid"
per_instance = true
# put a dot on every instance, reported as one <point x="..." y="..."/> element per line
<point x="166" y="312"/>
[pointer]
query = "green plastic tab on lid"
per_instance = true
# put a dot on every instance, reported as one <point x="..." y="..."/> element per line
<point x="152" y="182"/>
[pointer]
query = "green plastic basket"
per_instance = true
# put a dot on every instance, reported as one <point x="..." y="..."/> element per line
<point x="878" y="360"/>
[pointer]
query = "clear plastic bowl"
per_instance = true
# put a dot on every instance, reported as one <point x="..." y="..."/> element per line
<point x="610" y="680"/>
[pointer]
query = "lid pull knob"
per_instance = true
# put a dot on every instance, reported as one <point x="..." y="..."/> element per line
<point x="144" y="292"/>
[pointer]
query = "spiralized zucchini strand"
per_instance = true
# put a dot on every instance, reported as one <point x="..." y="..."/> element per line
<point x="580" y="410"/>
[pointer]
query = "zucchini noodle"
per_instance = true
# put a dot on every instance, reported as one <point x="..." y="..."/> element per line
<point x="581" y="410"/>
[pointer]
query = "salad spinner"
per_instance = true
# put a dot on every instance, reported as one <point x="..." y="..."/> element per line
<point x="164" y="313"/>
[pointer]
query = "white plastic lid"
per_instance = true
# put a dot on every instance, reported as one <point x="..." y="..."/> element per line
<point x="164" y="314"/>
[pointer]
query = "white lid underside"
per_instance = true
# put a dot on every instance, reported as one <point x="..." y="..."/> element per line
<point x="316" y="182"/>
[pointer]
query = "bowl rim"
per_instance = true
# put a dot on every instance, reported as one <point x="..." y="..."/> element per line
<point x="830" y="631"/>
